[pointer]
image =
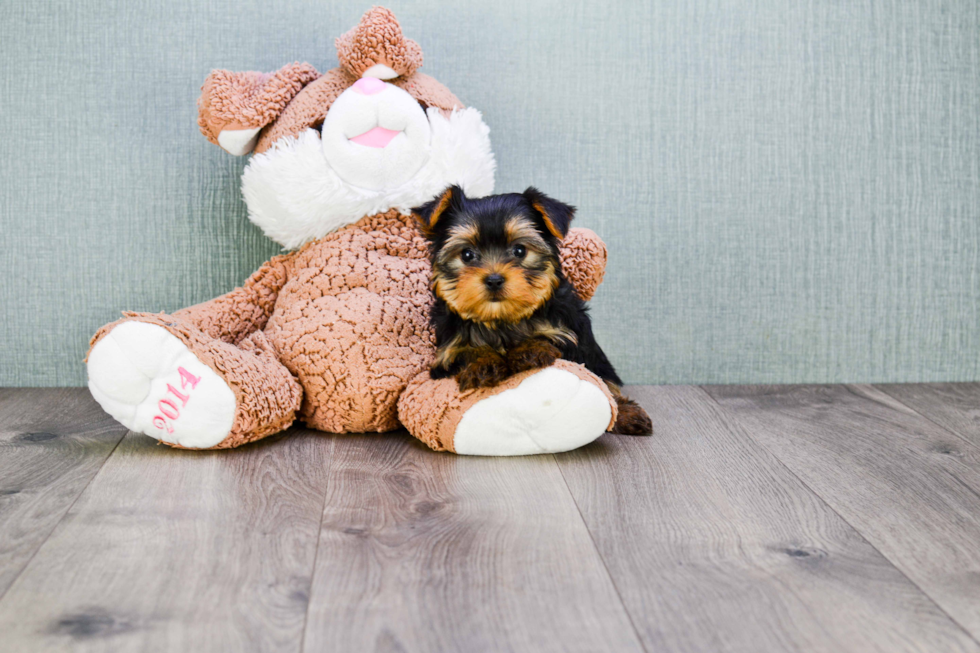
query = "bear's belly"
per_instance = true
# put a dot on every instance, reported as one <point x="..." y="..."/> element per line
<point x="353" y="353"/>
<point x="352" y="326"/>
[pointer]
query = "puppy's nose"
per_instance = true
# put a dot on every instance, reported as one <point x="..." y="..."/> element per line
<point x="369" y="85"/>
<point x="494" y="282"/>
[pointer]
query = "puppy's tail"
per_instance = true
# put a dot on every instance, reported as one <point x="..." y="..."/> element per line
<point x="631" y="418"/>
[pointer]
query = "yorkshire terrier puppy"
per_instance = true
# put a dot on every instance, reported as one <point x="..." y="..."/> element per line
<point x="502" y="304"/>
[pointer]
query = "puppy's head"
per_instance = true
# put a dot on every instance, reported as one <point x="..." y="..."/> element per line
<point x="495" y="259"/>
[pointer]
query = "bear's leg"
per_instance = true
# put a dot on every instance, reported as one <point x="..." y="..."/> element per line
<point x="558" y="408"/>
<point x="161" y="376"/>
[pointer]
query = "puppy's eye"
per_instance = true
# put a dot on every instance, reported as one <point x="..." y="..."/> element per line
<point x="468" y="256"/>
<point x="520" y="251"/>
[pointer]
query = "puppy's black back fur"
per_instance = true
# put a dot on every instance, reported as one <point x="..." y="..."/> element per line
<point x="566" y="307"/>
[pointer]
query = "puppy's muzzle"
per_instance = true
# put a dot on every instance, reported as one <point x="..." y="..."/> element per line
<point x="494" y="283"/>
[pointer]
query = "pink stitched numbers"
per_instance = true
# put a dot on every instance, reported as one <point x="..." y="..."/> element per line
<point x="168" y="407"/>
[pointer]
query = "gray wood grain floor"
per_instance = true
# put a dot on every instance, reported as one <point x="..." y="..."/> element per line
<point x="777" y="518"/>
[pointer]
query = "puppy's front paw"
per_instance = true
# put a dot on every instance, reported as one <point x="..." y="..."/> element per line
<point x="531" y="355"/>
<point x="484" y="371"/>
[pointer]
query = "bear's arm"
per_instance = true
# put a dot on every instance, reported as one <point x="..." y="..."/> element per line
<point x="235" y="315"/>
<point x="583" y="260"/>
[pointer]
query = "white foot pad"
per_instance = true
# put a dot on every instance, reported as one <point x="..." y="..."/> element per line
<point x="151" y="383"/>
<point x="550" y="411"/>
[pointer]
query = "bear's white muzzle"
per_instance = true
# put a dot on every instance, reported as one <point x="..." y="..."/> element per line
<point x="375" y="136"/>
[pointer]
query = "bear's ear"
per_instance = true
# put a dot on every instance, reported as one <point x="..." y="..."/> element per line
<point x="428" y="215"/>
<point x="234" y="107"/>
<point x="557" y="215"/>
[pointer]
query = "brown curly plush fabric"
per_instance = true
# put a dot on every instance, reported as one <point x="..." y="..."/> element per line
<point x="431" y="409"/>
<point x="351" y="322"/>
<point x="429" y="92"/>
<point x="232" y="317"/>
<point x="583" y="260"/>
<point x="250" y="99"/>
<point x="378" y="39"/>
<point x="308" y="109"/>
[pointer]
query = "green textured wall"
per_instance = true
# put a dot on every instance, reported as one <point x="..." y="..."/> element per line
<point x="788" y="193"/>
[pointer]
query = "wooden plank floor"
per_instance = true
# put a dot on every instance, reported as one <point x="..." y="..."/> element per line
<point x="778" y="518"/>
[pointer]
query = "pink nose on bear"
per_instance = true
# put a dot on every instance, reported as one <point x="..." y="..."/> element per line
<point x="369" y="85"/>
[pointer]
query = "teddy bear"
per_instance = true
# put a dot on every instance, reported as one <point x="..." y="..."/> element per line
<point x="335" y="330"/>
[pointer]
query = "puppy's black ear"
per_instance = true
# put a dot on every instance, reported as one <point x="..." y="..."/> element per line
<point x="429" y="214"/>
<point x="557" y="215"/>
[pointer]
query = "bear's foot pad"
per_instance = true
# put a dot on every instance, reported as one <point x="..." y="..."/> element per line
<point x="151" y="383"/>
<point x="550" y="411"/>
